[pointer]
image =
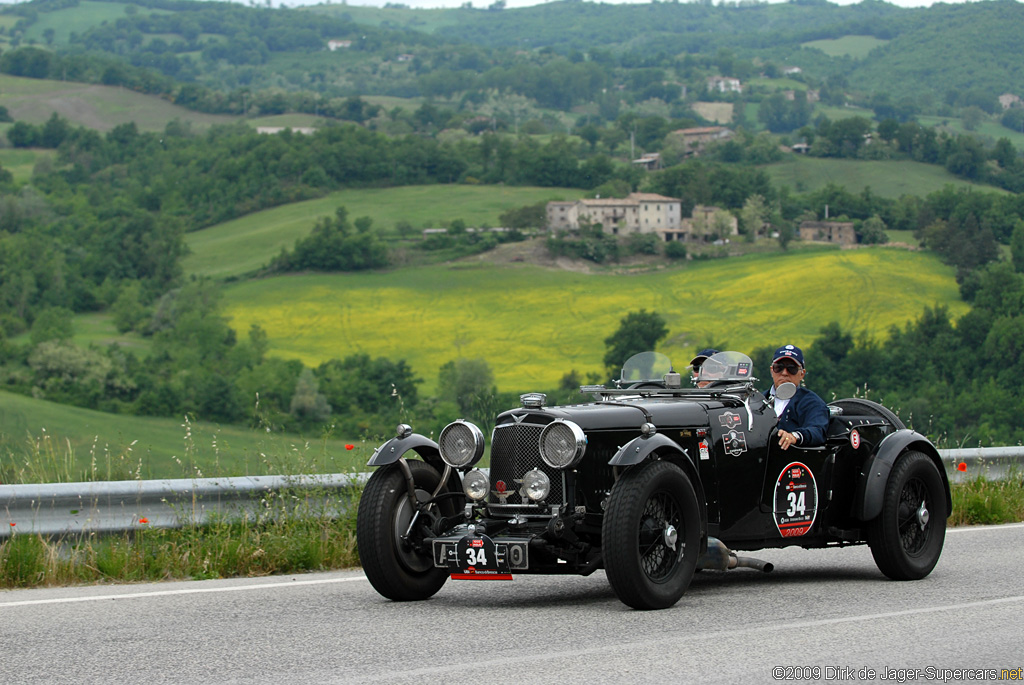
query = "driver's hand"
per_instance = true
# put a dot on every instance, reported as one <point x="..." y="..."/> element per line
<point x="786" y="439"/>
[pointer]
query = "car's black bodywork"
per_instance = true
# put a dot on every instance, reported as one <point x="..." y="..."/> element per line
<point x="661" y="481"/>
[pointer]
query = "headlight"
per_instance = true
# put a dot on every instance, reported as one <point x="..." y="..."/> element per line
<point x="475" y="485"/>
<point x="461" y="444"/>
<point x="536" y="485"/>
<point x="562" y="444"/>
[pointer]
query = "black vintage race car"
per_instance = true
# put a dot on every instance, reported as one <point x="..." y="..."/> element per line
<point x="650" y="481"/>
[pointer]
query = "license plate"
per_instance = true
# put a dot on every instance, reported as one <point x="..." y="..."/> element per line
<point x="477" y="557"/>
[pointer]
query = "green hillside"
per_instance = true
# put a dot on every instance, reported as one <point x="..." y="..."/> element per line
<point x="534" y="325"/>
<point x="886" y="179"/>
<point x="94" y="106"/>
<point x="244" y="245"/>
<point x="43" y="437"/>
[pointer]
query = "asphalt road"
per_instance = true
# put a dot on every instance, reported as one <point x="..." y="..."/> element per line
<point x="821" y="616"/>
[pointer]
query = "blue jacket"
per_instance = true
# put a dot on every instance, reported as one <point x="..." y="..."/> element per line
<point x="807" y="416"/>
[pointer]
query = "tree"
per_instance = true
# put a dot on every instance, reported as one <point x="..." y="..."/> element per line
<point x="308" y="404"/>
<point x="638" y="331"/>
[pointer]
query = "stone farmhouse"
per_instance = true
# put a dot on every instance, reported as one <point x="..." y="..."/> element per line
<point x="696" y="139"/>
<point x="836" y="232"/>
<point x="643" y="213"/>
<point x="724" y="84"/>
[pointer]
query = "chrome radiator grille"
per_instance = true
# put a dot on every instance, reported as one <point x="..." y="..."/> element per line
<point x="514" y="451"/>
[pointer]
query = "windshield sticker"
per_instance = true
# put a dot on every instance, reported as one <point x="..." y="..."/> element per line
<point x="743" y="369"/>
<point x="796" y="500"/>
<point x="735" y="443"/>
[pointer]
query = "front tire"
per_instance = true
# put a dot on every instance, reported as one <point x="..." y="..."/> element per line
<point x="651" y="534"/>
<point x="398" y="567"/>
<point x="906" y="538"/>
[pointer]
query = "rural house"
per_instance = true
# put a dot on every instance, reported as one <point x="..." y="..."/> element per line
<point x="636" y="213"/>
<point x="836" y="232"/>
<point x="724" y="84"/>
<point x="706" y="224"/>
<point x="695" y="139"/>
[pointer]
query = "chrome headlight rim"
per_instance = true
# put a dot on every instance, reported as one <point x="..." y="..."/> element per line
<point x="575" y="437"/>
<point x="468" y="431"/>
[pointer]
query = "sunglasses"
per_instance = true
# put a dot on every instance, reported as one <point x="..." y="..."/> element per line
<point x="792" y="368"/>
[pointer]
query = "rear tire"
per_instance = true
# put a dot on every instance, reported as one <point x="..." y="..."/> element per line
<point x="399" y="569"/>
<point x="651" y="535"/>
<point x="906" y="538"/>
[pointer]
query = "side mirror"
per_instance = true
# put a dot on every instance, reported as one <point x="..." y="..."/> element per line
<point x="785" y="391"/>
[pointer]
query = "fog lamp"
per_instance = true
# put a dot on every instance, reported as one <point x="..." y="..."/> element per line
<point x="536" y="485"/>
<point x="475" y="484"/>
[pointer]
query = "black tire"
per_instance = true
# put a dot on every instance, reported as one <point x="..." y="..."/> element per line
<point x="394" y="567"/>
<point x="906" y="538"/>
<point x="643" y="569"/>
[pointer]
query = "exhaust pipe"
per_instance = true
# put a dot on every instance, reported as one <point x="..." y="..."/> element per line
<point x="721" y="558"/>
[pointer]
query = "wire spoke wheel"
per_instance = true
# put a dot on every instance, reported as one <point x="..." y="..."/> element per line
<point x="906" y="537"/>
<point x="651" y="535"/>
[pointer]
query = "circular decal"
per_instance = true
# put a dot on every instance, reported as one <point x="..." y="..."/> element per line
<point x="796" y="500"/>
<point x="854" y="439"/>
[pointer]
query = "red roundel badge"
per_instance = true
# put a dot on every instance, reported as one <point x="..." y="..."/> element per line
<point x="796" y="500"/>
<point x="854" y="439"/>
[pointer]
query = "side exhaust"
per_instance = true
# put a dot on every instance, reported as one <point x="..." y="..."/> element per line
<point x="721" y="558"/>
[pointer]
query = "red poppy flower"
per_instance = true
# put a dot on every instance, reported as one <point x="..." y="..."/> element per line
<point x="143" y="520"/>
<point x="350" y="447"/>
<point x="13" y="524"/>
<point x="961" y="467"/>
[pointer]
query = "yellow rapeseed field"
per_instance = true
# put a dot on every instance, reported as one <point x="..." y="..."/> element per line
<point x="533" y="325"/>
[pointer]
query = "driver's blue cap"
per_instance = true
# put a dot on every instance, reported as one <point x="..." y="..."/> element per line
<point x="702" y="355"/>
<point x="789" y="352"/>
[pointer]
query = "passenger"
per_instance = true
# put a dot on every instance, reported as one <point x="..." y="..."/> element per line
<point x="803" y="419"/>
<point x="696" y="363"/>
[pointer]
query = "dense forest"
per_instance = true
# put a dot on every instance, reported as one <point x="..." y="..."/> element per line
<point x="101" y="226"/>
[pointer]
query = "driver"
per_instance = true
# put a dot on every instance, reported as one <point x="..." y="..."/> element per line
<point x="803" y="419"/>
<point x="697" y="362"/>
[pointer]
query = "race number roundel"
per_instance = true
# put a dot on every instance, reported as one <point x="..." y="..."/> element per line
<point x="796" y="500"/>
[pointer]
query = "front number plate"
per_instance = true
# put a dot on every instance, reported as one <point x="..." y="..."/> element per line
<point x="479" y="557"/>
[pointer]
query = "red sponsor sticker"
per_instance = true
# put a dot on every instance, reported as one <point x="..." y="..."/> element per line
<point x="854" y="439"/>
<point x="476" y="542"/>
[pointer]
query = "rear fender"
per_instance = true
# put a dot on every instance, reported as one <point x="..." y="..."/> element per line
<point x="875" y="473"/>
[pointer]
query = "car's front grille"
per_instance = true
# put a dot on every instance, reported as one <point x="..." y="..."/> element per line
<point x="515" y="450"/>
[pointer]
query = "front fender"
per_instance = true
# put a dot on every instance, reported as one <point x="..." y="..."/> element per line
<point x="392" y="450"/>
<point x="875" y="473"/>
<point x="639" y="448"/>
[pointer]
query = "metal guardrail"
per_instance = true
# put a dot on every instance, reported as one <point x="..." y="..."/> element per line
<point x="117" y="506"/>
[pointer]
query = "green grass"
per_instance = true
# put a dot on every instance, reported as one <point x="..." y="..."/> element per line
<point x="885" y="178"/>
<point x="836" y="113"/>
<point x="283" y="538"/>
<point x="95" y="106"/>
<point x="989" y="128"/>
<point x="244" y="245"/>
<point x="980" y="501"/>
<point x="21" y="162"/>
<point x="79" y="19"/>
<point x="534" y="325"/>
<point x="46" y="442"/>
<point x="857" y="47"/>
